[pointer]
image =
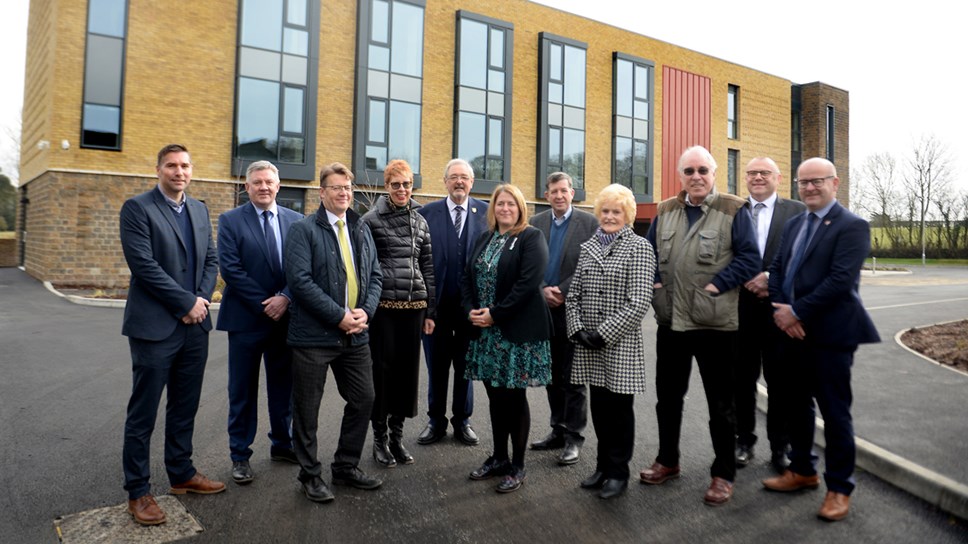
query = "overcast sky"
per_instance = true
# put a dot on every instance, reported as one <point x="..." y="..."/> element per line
<point x="902" y="62"/>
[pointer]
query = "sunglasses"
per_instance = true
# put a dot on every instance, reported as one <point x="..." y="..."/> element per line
<point x="690" y="171"/>
<point x="397" y="185"/>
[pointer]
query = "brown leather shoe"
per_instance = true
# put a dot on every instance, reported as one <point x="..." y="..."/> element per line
<point x="198" y="484"/>
<point x="146" y="511"/>
<point x="791" y="481"/>
<point x="719" y="492"/>
<point x="658" y="473"/>
<point x="835" y="506"/>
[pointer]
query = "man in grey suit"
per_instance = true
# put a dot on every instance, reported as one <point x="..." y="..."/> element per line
<point x="758" y="336"/>
<point x="564" y="228"/>
<point x="167" y="241"/>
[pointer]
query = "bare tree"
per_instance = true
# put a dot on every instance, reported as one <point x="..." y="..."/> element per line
<point x="10" y="151"/>
<point x="927" y="178"/>
<point x="875" y="195"/>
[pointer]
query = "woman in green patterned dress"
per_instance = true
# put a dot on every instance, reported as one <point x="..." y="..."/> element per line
<point x="502" y="298"/>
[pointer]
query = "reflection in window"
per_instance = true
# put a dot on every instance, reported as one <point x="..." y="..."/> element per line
<point x="483" y="96"/>
<point x="732" y="171"/>
<point x="632" y="161"/>
<point x="287" y="197"/>
<point x="104" y="74"/>
<point x="561" y="145"/>
<point x="732" y="116"/>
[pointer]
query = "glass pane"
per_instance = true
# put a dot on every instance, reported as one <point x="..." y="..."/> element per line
<point x="262" y="24"/>
<point x="623" y="161"/>
<point x="295" y="42"/>
<point x="640" y="129"/>
<point x="640" y="185"/>
<point x="258" y="122"/>
<point x="473" y="100"/>
<point x="376" y="157"/>
<point x="495" y="104"/>
<point x="102" y="126"/>
<point x="380" y="21"/>
<point x="554" y="148"/>
<point x="259" y="63"/>
<point x="292" y="110"/>
<point x="573" y="155"/>
<point x="641" y="109"/>
<point x="623" y="127"/>
<point x="495" y="137"/>
<point x="378" y="119"/>
<point x="623" y="88"/>
<point x="470" y="141"/>
<point x="379" y="57"/>
<point x="405" y="88"/>
<point x="473" y="54"/>
<point x="574" y="118"/>
<point x="296" y="12"/>
<point x="554" y="115"/>
<point x="406" y="41"/>
<point x="495" y="170"/>
<point x="106" y="17"/>
<point x="291" y="197"/>
<point x="295" y="69"/>
<point x="378" y="84"/>
<point x="574" y="76"/>
<point x="554" y="93"/>
<point x="495" y="80"/>
<point x="404" y="136"/>
<point x="641" y="82"/>
<point x="292" y="149"/>
<point x="497" y="48"/>
<point x="731" y="104"/>
<point x="640" y="165"/>
<point x="102" y="70"/>
<point x="554" y="69"/>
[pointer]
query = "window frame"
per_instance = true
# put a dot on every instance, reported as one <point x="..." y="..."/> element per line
<point x="122" y="69"/>
<point x="732" y="171"/>
<point x="649" y="65"/>
<point x="732" y="114"/>
<point x="830" y="125"/>
<point x="545" y="42"/>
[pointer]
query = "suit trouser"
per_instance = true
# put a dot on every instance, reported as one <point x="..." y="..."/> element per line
<point x="178" y="363"/>
<point x="613" y="415"/>
<point x="246" y="351"/>
<point x="353" y="370"/>
<point x="568" y="401"/>
<point x="715" y="353"/>
<point x="822" y="373"/>
<point x="446" y="346"/>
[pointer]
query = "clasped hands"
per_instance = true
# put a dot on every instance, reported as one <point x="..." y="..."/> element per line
<point x="198" y="313"/>
<point x="481" y="317"/>
<point x="354" y="321"/>
<point x="590" y="340"/>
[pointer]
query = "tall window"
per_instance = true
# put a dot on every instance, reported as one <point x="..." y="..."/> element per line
<point x="732" y="171"/>
<point x="632" y="127"/>
<point x="732" y="112"/>
<point x="482" y="126"/>
<point x="561" y="111"/>
<point x="389" y="87"/>
<point x="107" y="22"/>
<point x="830" y="133"/>
<point x="275" y="105"/>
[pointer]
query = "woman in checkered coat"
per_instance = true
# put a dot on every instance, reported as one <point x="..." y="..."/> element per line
<point x="610" y="294"/>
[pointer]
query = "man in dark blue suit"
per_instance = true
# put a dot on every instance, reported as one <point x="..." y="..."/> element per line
<point x="814" y="284"/>
<point x="455" y="223"/>
<point x="254" y="311"/>
<point x="166" y="237"/>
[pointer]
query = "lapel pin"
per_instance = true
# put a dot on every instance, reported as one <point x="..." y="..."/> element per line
<point x="826" y="222"/>
<point x="473" y="210"/>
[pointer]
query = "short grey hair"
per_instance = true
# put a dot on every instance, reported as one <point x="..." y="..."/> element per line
<point x="259" y="166"/>
<point x="703" y="152"/>
<point x="452" y="162"/>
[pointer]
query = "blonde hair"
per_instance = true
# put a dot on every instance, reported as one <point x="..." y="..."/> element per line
<point x="518" y="197"/>
<point x="617" y="194"/>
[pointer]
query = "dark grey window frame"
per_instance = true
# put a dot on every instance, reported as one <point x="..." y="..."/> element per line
<point x="545" y="40"/>
<point x="732" y="117"/>
<point x="287" y="170"/>
<point x="831" y="132"/>
<point x="650" y="162"/>
<point x="361" y="112"/>
<point x="732" y="171"/>
<point x="486" y="186"/>
<point x="124" y="62"/>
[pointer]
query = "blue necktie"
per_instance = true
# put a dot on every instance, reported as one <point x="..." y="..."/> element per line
<point x="798" y="256"/>
<point x="274" y="258"/>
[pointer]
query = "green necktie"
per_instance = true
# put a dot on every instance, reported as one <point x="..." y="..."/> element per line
<point x="344" y="248"/>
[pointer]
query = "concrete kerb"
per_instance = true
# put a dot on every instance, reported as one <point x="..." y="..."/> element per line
<point x="101" y="302"/>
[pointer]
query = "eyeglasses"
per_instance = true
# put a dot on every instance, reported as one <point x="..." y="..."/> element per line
<point x="340" y="188"/>
<point x="817" y="182"/>
<point x="690" y="171"/>
<point x="397" y="185"/>
<point x="459" y="177"/>
<point x="763" y="173"/>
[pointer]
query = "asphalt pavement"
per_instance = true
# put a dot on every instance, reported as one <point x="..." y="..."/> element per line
<point x="66" y="381"/>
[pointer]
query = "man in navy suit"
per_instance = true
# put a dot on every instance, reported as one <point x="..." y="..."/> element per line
<point x="758" y="337"/>
<point x="814" y="284"/>
<point x="254" y="311"/>
<point x="455" y="223"/>
<point x="166" y="237"/>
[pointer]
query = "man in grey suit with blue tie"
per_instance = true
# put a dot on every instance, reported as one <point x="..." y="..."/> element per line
<point x="166" y="237"/>
<point x="255" y="312"/>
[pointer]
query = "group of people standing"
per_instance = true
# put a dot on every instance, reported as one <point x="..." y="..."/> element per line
<point x="555" y="301"/>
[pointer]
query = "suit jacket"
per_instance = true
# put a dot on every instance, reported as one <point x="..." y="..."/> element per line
<point x="783" y="211"/>
<point x="243" y="258"/>
<point x="519" y="307"/>
<point x="156" y="253"/>
<point x="826" y="284"/>
<point x="438" y="218"/>
<point x="581" y="227"/>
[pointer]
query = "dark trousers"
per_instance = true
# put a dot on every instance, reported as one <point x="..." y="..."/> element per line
<point x="178" y="363"/>
<point x="569" y="414"/>
<point x="715" y="353"/>
<point x="613" y="416"/>
<point x="447" y="347"/>
<point x="395" y="348"/>
<point x="759" y="346"/>
<point x="822" y="374"/>
<point x="510" y="418"/>
<point x="353" y="370"/>
<point x="247" y="350"/>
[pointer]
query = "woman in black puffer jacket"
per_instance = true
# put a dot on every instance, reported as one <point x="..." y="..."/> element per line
<point x="406" y="309"/>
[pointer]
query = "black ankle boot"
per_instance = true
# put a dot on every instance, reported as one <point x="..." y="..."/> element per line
<point x="396" y="447"/>
<point x="381" y="452"/>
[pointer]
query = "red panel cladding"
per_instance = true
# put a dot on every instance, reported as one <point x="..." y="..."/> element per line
<point x="686" y="121"/>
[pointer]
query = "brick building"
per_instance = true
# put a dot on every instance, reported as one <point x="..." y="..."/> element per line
<point x="518" y="89"/>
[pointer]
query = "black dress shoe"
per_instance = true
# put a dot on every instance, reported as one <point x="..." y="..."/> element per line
<point x="744" y="454"/>
<point x="569" y="456"/>
<point x="356" y="478"/>
<point x="467" y="435"/>
<point x="317" y="491"/>
<point x="553" y="441"/>
<point x="492" y="467"/>
<point x="284" y="455"/>
<point x="512" y="481"/>
<point x="430" y="435"/>
<point x="242" y="472"/>
<point x="613" y="487"/>
<point x="594" y="481"/>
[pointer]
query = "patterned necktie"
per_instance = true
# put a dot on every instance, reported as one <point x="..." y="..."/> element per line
<point x="344" y="249"/>
<point x="274" y="259"/>
<point x="458" y="218"/>
<point x="798" y="256"/>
